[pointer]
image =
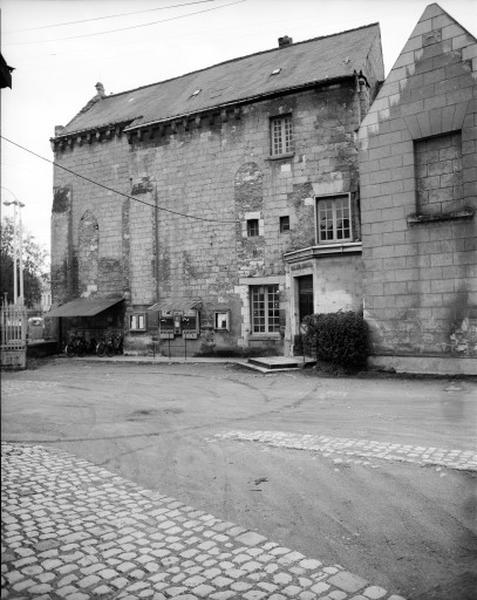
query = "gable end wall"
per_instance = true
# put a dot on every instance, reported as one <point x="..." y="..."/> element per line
<point x="421" y="277"/>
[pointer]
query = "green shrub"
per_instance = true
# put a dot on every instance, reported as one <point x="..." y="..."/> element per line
<point x="340" y="338"/>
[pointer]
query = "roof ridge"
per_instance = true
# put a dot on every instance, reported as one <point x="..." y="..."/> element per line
<point x="232" y="60"/>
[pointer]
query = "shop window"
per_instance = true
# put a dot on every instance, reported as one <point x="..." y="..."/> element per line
<point x="281" y="135"/>
<point x="253" y="229"/>
<point x="333" y="215"/>
<point x="137" y="322"/>
<point x="284" y="224"/>
<point x="265" y="308"/>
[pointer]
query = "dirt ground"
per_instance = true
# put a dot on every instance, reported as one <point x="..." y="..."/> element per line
<point x="406" y="527"/>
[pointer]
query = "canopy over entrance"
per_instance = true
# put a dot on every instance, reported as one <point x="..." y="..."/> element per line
<point x="84" y="307"/>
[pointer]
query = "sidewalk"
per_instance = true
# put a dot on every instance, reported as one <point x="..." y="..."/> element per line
<point x="122" y="358"/>
<point x="75" y="531"/>
<point x="270" y="364"/>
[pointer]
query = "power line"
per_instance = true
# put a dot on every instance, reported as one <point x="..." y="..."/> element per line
<point x="135" y="12"/>
<point x="84" y="35"/>
<point x="110" y="189"/>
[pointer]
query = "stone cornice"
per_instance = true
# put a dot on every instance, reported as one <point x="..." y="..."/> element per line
<point x="60" y="143"/>
<point x="184" y="123"/>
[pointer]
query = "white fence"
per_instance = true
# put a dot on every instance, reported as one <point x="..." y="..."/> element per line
<point x="13" y="336"/>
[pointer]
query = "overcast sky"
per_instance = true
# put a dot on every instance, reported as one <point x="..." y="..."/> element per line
<point x="54" y="77"/>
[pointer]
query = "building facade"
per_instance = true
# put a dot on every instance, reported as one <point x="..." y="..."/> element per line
<point x="418" y="178"/>
<point x="228" y="200"/>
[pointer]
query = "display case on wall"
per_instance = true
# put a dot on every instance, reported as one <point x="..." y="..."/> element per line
<point x="190" y="325"/>
<point x="166" y="326"/>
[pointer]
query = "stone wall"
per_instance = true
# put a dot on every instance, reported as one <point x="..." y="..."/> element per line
<point x="418" y="171"/>
<point x="90" y="225"/>
<point x="196" y="183"/>
<point x="220" y="173"/>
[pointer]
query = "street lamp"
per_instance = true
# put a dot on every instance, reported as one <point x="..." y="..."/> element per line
<point x="17" y="247"/>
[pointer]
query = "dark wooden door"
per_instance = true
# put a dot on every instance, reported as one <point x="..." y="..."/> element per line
<point x="305" y="296"/>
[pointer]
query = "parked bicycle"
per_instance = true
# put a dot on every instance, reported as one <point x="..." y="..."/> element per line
<point x="77" y="346"/>
<point x="110" y="346"/>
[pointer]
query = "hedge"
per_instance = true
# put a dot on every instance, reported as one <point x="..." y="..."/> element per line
<point x="340" y="338"/>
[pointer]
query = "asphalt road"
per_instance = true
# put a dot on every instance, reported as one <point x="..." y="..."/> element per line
<point x="406" y="526"/>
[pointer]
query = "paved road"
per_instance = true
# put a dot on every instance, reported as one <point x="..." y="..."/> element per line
<point x="374" y="475"/>
<point x="116" y="540"/>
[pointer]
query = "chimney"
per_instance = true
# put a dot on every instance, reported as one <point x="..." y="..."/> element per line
<point x="100" y="90"/>
<point x="59" y="130"/>
<point x="284" y="41"/>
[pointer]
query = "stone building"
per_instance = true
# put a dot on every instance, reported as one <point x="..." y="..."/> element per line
<point x="228" y="204"/>
<point x="418" y="179"/>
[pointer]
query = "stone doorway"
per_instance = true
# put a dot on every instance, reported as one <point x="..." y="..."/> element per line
<point x="305" y="296"/>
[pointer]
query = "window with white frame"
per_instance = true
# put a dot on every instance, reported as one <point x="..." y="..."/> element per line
<point x="333" y="215"/>
<point x="137" y="322"/>
<point x="222" y="320"/>
<point x="265" y="309"/>
<point x="281" y="135"/>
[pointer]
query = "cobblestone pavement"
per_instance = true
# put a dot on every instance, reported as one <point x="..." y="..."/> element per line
<point x="76" y="531"/>
<point x="345" y="450"/>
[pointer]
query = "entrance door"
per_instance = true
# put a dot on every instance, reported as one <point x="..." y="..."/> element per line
<point x="305" y="296"/>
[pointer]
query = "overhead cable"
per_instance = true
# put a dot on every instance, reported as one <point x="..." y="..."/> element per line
<point x="115" y="191"/>
<point x="114" y="16"/>
<point x="84" y="35"/>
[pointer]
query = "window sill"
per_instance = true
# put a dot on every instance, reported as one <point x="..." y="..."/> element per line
<point x="465" y="213"/>
<point x="262" y="337"/>
<point x="280" y="156"/>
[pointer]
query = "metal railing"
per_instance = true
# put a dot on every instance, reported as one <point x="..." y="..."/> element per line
<point x="13" y="336"/>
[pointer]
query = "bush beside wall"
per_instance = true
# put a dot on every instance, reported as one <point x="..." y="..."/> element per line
<point x="339" y="338"/>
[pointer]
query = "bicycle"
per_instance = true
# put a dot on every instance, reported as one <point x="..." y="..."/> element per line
<point x="77" y="346"/>
<point x="110" y="346"/>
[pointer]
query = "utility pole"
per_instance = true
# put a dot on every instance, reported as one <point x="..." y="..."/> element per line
<point x="18" y="295"/>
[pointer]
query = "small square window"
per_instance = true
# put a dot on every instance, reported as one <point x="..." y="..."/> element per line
<point x="281" y="135"/>
<point x="284" y="223"/>
<point x="222" y="320"/>
<point x="252" y="228"/>
<point x="137" y="322"/>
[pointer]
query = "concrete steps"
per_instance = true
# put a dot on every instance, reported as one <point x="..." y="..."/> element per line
<point x="273" y="364"/>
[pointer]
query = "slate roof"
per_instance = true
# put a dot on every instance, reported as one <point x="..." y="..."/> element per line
<point x="246" y="78"/>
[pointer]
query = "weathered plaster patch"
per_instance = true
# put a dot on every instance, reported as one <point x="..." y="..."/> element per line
<point x="463" y="340"/>
<point x="285" y="168"/>
<point x="332" y="183"/>
<point x="61" y="199"/>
